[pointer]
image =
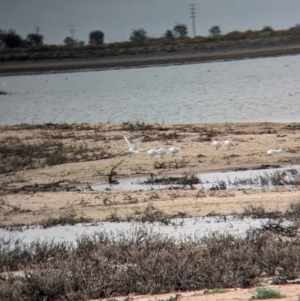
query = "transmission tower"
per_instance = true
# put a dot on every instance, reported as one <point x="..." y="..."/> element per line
<point x="193" y="16"/>
<point x="72" y="31"/>
<point x="37" y="30"/>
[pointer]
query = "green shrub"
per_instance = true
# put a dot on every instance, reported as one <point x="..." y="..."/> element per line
<point x="266" y="293"/>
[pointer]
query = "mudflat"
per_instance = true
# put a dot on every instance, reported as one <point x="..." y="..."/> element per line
<point x="47" y="170"/>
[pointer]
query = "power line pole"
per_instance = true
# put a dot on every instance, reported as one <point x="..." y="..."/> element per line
<point x="72" y="31"/>
<point x="37" y="30"/>
<point x="193" y="16"/>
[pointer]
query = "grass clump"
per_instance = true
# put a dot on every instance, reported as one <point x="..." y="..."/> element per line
<point x="68" y="218"/>
<point x="152" y="214"/>
<point x="260" y="212"/>
<point x="186" y="179"/>
<point x="138" y="125"/>
<point x="149" y="214"/>
<point x="218" y="291"/>
<point x="172" y="164"/>
<point x="266" y="293"/>
<point x="293" y="210"/>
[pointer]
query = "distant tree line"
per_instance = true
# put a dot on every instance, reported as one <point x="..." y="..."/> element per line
<point x="179" y="31"/>
<point x="10" y="39"/>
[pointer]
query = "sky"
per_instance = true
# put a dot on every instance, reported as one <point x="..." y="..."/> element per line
<point x="117" y="18"/>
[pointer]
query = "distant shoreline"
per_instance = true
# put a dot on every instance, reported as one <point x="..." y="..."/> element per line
<point x="137" y="61"/>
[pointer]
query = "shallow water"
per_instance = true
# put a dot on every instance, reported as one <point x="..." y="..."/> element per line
<point x="180" y="228"/>
<point x="264" y="89"/>
<point x="242" y="179"/>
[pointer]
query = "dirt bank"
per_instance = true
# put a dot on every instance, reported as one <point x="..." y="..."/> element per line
<point x="133" y="61"/>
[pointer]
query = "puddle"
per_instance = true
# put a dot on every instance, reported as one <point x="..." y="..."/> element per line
<point x="242" y="179"/>
<point x="178" y="228"/>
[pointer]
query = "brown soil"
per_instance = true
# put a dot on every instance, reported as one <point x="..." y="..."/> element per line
<point x="29" y="195"/>
<point x="291" y="292"/>
<point x="142" y="60"/>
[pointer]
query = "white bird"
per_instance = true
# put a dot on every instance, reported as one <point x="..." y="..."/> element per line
<point x="216" y="143"/>
<point x="274" y="151"/>
<point x="230" y="143"/>
<point x="134" y="146"/>
<point x="174" y="150"/>
<point x="152" y="152"/>
<point x="161" y="151"/>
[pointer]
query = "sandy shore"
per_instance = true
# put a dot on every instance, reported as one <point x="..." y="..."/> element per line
<point x="31" y="194"/>
<point x="290" y="291"/>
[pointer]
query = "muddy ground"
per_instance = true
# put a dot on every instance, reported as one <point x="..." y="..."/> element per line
<point x="38" y="186"/>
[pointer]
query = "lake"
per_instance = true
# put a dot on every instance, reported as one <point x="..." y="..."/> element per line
<point x="255" y="90"/>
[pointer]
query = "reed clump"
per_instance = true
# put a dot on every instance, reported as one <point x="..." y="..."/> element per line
<point x="137" y="126"/>
<point x="186" y="179"/>
<point x="171" y="164"/>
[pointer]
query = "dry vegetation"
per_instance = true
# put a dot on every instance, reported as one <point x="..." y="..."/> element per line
<point x="46" y="174"/>
<point x="104" y="265"/>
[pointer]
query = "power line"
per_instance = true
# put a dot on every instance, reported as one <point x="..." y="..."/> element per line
<point x="193" y="16"/>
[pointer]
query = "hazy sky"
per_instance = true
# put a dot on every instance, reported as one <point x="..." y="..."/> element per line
<point x="117" y="18"/>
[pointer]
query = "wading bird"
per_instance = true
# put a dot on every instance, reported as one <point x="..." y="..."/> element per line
<point x="216" y="143"/>
<point x="174" y="150"/>
<point x="133" y="146"/>
<point x="161" y="151"/>
<point x="274" y="151"/>
<point x="230" y="143"/>
<point x="152" y="152"/>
